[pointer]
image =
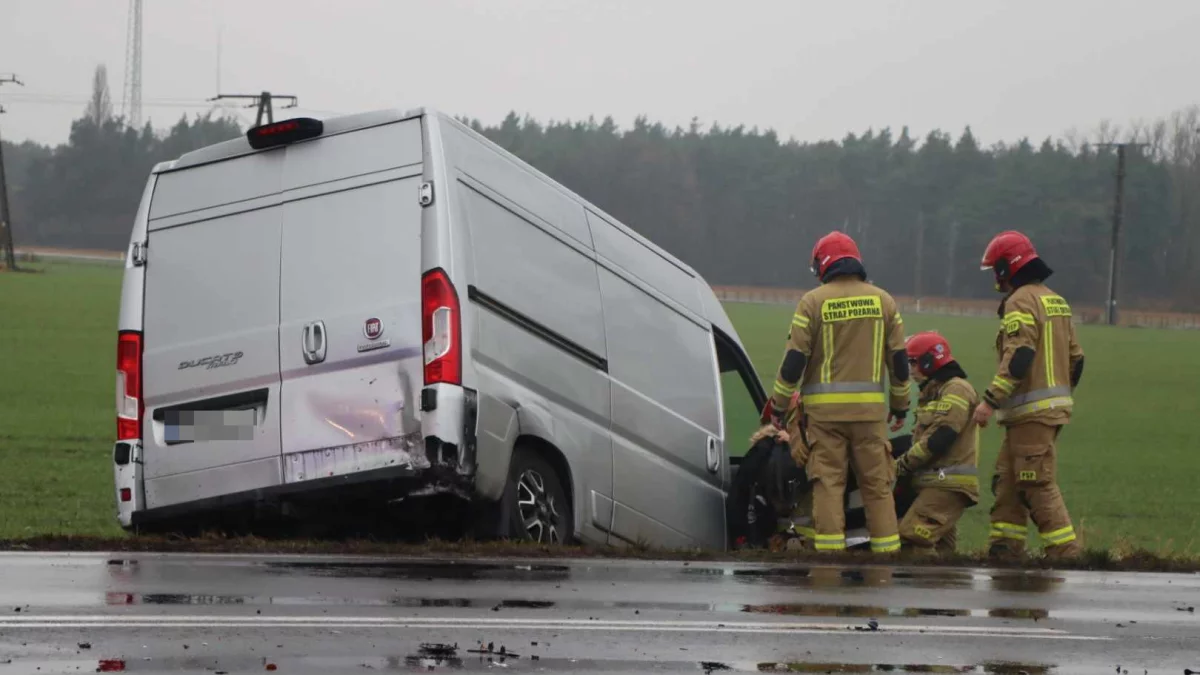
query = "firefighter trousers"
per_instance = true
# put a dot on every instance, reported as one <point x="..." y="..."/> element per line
<point x="1026" y="488"/>
<point x="838" y="447"/>
<point x="931" y="523"/>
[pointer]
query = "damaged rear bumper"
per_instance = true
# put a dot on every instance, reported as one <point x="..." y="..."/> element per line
<point x="383" y="471"/>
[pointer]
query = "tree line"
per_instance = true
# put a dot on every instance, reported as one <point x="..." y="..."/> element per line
<point x="744" y="206"/>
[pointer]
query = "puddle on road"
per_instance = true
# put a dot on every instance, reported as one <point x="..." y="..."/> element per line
<point x="987" y="668"/>
<point x="438" y="658"/>
<point x="417" y="570"/>
<point x="408" y="602"/>
<point x="794" y="609"/>
<point x="866" y="611"/>
<point x="837" y="576"/>
<point x="820" y="575"/>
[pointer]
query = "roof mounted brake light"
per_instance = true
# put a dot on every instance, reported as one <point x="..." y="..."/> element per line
<point x="284" y="132"/>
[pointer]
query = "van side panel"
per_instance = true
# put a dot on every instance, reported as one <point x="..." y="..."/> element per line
<point x="665" y="276"/>
<point x="533" y="269"/>
<point x="536" y="323"/>
<point x="500" y="174"/>
<point x="666" y="411"/>
<point x="211" y="328"/>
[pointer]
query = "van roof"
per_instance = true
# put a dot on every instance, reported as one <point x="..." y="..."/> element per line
<point x="342" y="123"/>
<point x="333" y="125"/>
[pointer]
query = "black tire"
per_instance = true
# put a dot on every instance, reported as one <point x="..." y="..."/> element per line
<point x="536" y="505"/>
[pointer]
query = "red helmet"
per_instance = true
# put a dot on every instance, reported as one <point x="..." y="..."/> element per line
<point x="1007" y="253"/>
<point x="830" y="249"/>
<point x="928" y="350"/>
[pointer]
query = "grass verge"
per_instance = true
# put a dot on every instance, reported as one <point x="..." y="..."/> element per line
<point x="1125" y="462"/>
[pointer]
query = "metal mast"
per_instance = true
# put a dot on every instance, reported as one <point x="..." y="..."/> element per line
<point x="131" y="99"/>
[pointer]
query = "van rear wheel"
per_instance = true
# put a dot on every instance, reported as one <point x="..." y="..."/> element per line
<point x="537" y="505"/>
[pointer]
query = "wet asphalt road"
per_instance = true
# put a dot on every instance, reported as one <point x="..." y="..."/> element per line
<point x="247" y="614"/>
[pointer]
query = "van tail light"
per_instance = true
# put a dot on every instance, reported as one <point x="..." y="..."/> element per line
<point x="129" y="386"/>
<point x="441" y="329"/>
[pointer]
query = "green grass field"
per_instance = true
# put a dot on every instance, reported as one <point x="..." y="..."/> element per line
<point x="1126" y="461"/>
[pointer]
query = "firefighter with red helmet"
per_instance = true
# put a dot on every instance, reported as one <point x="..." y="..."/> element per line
<point x="943" y="460"/>
<point x="843" y="336"/>
<point x="1040" y="364"/>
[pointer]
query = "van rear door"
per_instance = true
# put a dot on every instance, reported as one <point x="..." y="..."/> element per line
<point x="350" y="302"/>
<point x="211" y="359"/>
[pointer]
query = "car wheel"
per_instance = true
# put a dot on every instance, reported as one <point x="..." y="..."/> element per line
<point x="537" y="504"/>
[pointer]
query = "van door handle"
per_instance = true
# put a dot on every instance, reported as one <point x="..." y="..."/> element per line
<point x="714" y="457"/>
<point x="313" y="342"/>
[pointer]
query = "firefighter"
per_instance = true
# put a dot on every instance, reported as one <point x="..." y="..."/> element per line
<point x="843" y="335"/>
<point x="943" y="460"/>
<point x="1040" y="364"/>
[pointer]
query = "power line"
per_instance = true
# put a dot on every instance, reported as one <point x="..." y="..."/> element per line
<point x="74" y="99"/>
<point x="51" y="98"/>
<point x="6" y="225"/>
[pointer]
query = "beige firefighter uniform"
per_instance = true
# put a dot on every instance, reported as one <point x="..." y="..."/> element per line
<point x="1032" y="405"/>
<point x="946" y="479"/>
<point x="848" y="329"/>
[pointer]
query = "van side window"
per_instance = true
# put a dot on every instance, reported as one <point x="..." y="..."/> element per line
<point x="742" y="395"/>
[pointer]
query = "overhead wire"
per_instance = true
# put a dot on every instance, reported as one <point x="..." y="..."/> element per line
<point x="46" y="98"/>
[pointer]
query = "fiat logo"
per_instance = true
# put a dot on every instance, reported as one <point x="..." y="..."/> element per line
<point x="373" y="328"/>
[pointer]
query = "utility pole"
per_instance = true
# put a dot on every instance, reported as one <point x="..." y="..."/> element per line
<point x="10" y="254"/>
<point x="1118" y="215"/>
<point x="917" y="269"/>
<point x="262" y="101"/>
<point x="951" y="257"/>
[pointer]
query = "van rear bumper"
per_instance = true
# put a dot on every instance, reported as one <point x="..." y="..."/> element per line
<point x="382" y="471"/>
<point x="388" y="483"/>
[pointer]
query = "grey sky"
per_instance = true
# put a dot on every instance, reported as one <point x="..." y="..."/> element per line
<point x="807" y="69"/>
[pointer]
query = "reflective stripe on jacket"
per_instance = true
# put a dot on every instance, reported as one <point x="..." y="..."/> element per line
<point x="848" y="329"/>
<point x="949" y="403"/>
<point x="1035" y="317"/>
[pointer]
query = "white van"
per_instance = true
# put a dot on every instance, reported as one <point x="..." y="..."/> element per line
<point x="389" y="304"/>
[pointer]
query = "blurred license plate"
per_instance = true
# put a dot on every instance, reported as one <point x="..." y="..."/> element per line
<point x="189" y="426"/>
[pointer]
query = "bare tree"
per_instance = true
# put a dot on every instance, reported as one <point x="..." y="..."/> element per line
<point x="99" y="108"/>
<point x="1182" y="149"/>
<point x="1107" y="132"/>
